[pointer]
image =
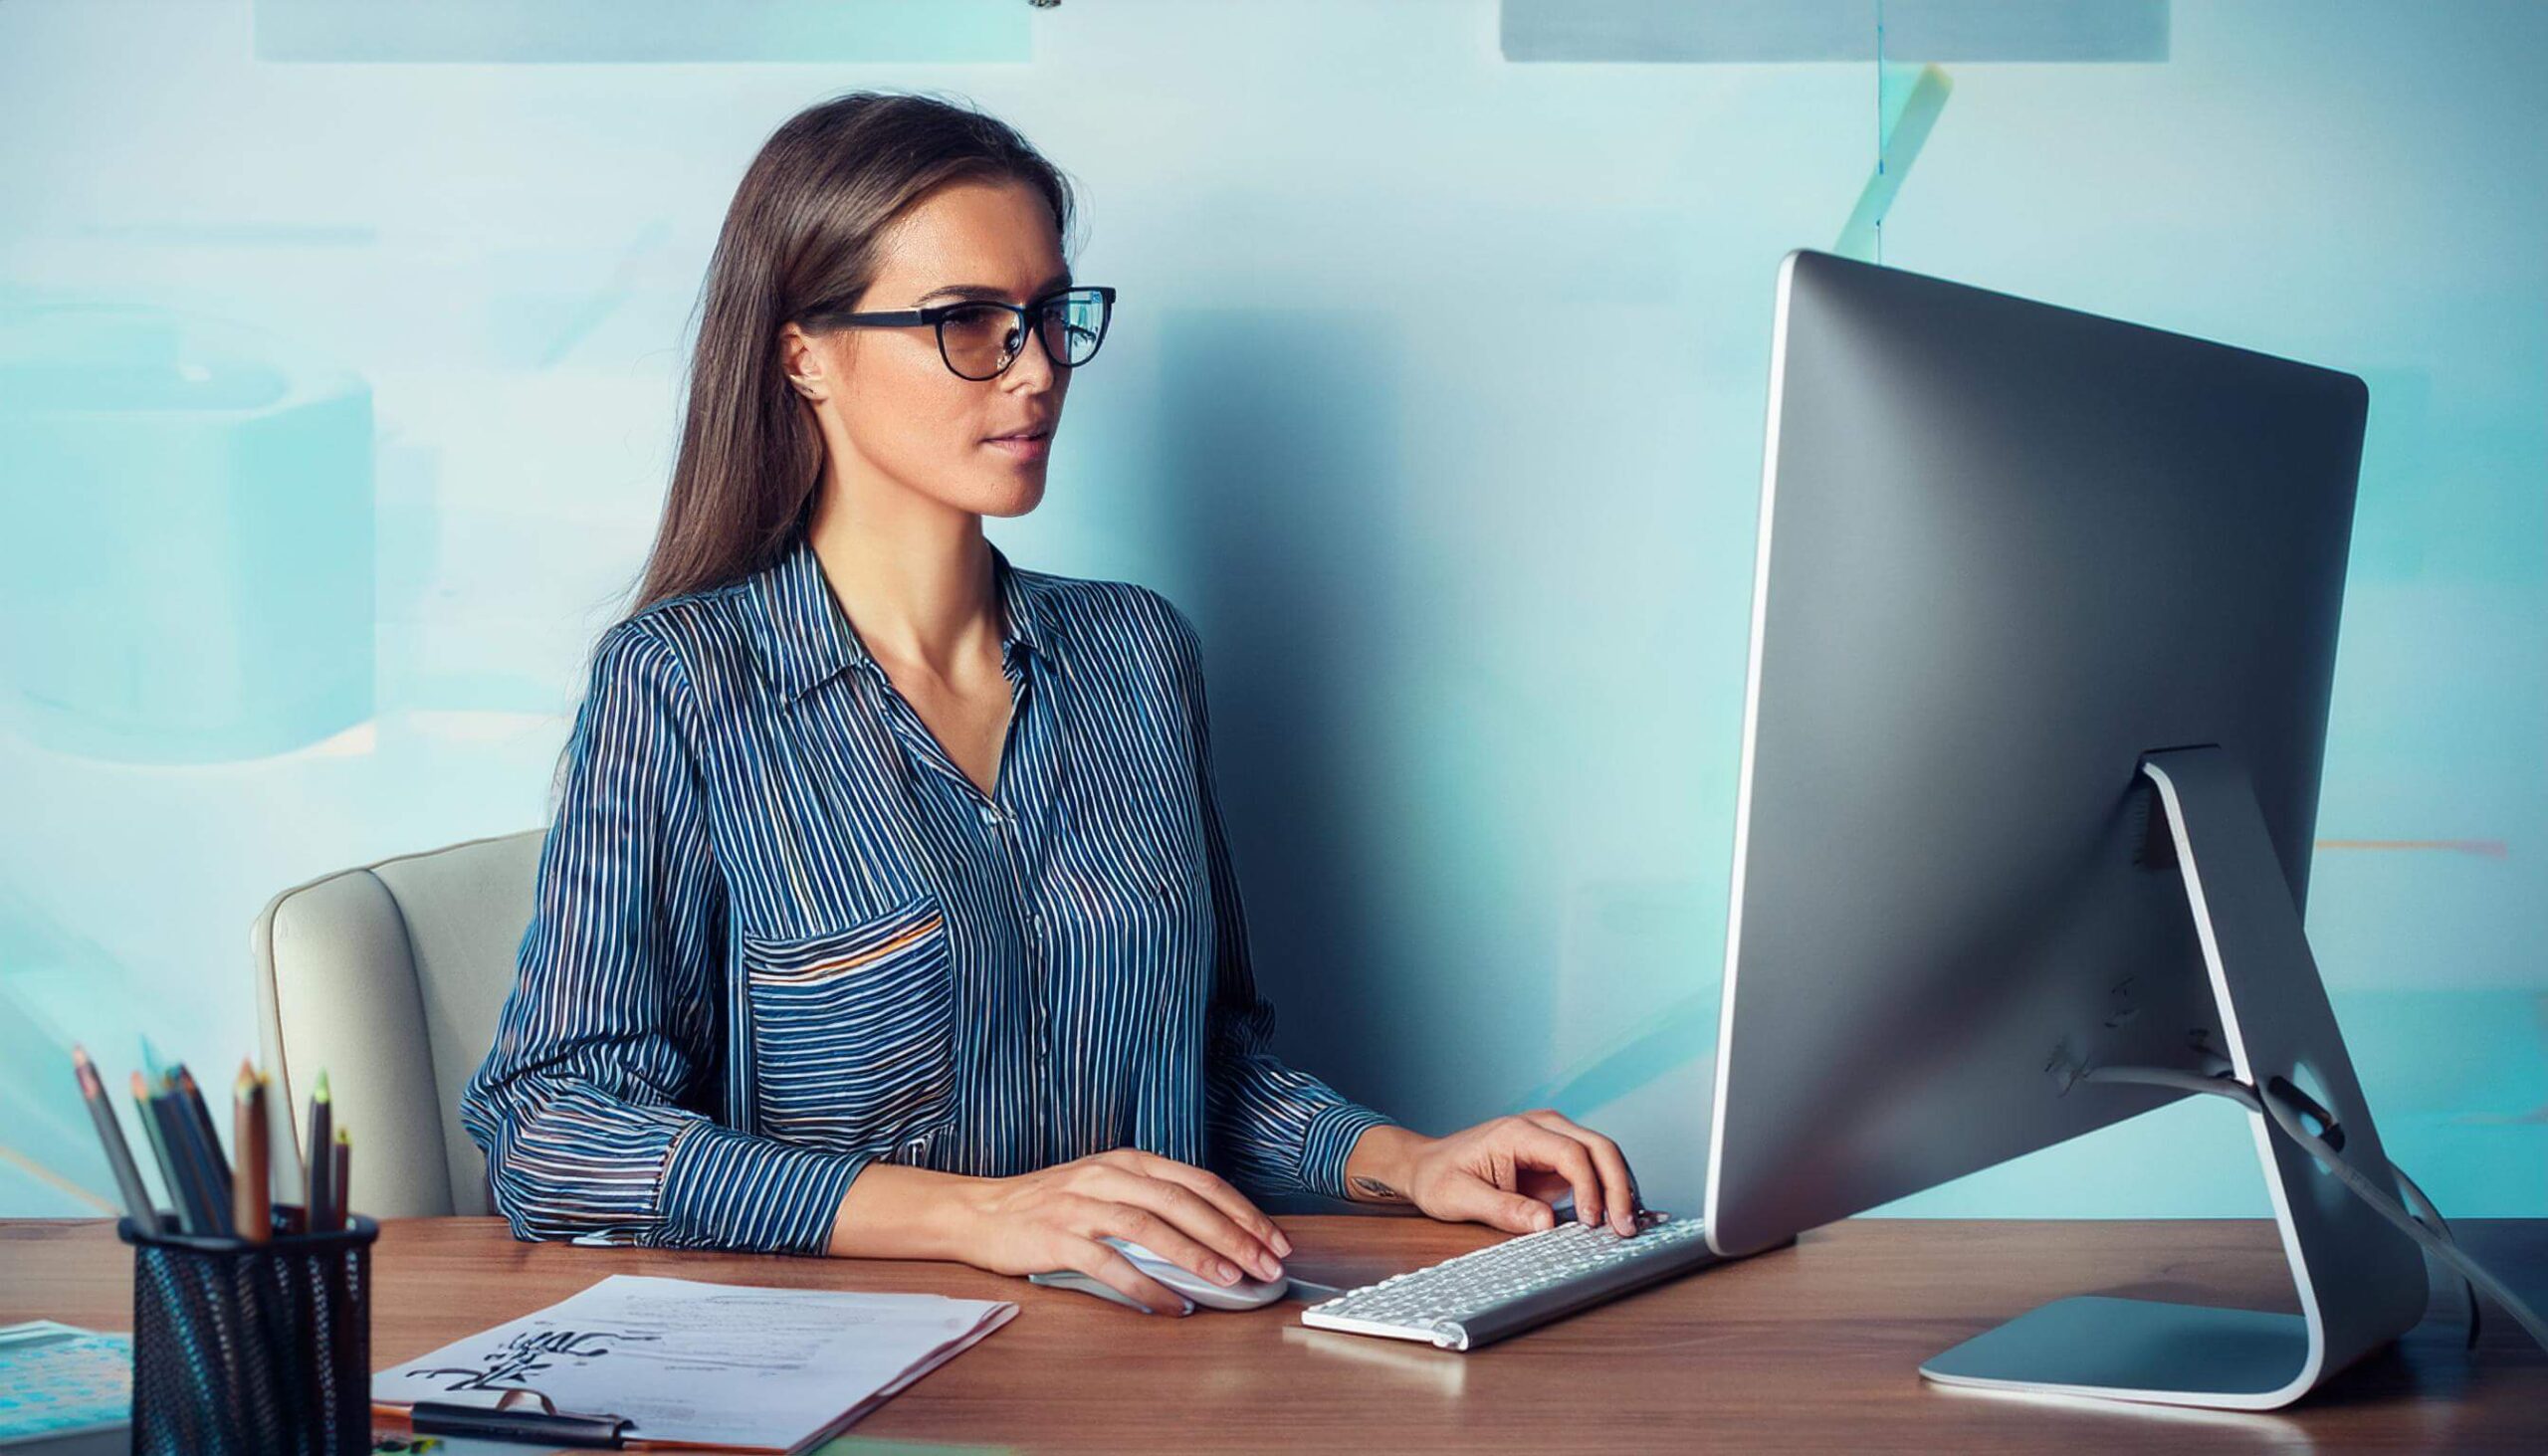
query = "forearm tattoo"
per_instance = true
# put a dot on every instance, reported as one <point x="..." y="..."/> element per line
<point x="1376" y="1189"/>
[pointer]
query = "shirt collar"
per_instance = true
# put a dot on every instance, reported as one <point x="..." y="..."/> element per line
<point x="805" y="640"/>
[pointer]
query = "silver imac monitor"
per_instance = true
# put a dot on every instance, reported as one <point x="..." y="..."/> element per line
<point x="2042" y="630"/>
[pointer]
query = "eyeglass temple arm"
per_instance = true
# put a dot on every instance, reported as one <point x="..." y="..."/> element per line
<point x="895" y="317"/>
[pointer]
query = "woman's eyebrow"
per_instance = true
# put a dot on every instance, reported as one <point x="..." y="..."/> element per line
<point x="1060" y="280"/>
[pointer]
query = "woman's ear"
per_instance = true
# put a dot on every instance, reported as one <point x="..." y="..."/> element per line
<point x="801" y="362"/>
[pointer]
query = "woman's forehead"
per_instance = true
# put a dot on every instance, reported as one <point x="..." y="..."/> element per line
<point x="997" y="233"/>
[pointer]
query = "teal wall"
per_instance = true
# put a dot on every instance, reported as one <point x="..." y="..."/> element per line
<point x="339" y="351"/>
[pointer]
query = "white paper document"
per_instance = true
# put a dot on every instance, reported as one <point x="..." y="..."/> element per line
<point x="719" y="1363"/>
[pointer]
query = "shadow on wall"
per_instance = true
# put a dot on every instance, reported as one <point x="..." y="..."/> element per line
<point x="1281" y="461"/>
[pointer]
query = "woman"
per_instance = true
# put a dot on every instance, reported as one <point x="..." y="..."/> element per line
<point x="903" y="858"/>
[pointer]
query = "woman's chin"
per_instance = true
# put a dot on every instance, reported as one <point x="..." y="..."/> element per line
<point x="1013" y="496"/>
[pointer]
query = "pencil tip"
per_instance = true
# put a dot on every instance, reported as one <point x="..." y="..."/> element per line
<point x="344" y="1135"/>
<point x="321" y="1092"/>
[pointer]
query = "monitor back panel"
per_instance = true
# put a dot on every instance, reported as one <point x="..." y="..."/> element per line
<point x="2007" y="548"/>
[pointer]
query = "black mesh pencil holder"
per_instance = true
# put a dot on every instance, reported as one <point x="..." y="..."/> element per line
<point x="252" y="1350"/>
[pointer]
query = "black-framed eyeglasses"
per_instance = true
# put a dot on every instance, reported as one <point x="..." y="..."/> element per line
<point x="980" y="337"/>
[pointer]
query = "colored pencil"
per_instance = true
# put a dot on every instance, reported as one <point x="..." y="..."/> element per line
<point x="249" y="1212"/>
<point x="192" y="1184"/>
<point x="211" y="1170"/>
<point x="341" y="1178"/>
<point x="323" y="1112"/>
<point x="159" y="1156"/>
<point x="214" y="1163"/>
<point x="137" y="1196"/>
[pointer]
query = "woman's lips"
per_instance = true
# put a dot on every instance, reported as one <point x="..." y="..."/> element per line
<point x="1022" y="447"/>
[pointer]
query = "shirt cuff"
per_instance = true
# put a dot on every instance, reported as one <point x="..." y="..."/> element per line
<point x="1329" y="1141"/>
<point x="726" y="1190"/>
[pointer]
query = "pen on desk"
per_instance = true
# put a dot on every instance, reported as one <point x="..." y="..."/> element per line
<point x="159" y="1154"/>
<point x="101" y="1111"/>
<point x="315" y="1198"/>
<point x="202" y="1117"/>
<point x="340" y="1178"/>
<point x="250" y="1210"/>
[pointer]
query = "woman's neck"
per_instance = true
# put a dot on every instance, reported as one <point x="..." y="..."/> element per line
<point x="914" y="576"/>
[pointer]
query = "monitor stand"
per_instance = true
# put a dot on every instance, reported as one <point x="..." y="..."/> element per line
<point x="2360" y="1282"/>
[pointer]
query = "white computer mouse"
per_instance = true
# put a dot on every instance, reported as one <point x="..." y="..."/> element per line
<point x="1246" y="1294"/>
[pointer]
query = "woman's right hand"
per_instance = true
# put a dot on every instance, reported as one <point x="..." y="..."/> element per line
<point x="1053" y="1220"/>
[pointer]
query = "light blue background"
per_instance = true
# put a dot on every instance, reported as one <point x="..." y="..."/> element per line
<point x="338" y="367"/>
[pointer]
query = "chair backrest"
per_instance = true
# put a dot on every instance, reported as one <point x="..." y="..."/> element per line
<point x="391" y="976"/>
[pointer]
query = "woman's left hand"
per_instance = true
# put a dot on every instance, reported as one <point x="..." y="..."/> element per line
<point x="1503" y="1173"/>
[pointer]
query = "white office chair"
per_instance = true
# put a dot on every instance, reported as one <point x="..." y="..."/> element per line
<point x="391" y="976"/>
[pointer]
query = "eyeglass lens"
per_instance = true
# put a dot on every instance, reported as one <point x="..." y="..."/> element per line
<point x="981" y="339"/>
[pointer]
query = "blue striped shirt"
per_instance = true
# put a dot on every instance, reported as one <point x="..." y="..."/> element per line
<point x="779" y="934"/>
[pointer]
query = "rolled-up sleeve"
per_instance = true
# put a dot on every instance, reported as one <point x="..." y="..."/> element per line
<point x="1271" y="1126"/>
<point x="586" y="1106"/>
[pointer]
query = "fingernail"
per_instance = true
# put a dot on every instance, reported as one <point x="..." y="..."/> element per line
<point x="1587" y="1216"/>
<point x="1269" y="1268"/>
<point x="1282" y="1245"/>
<point x="1225" y="1271"/>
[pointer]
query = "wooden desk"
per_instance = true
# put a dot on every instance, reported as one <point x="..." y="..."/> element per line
<point x="1813" y="1347"/>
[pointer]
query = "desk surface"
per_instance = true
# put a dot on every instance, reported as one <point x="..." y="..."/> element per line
<point x="1812" y="1347"/>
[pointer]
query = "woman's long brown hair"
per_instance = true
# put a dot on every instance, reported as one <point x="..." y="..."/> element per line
<point x="806" y="228"/>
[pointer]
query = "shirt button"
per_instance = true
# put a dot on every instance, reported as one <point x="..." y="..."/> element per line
<point x="990" y="815"/>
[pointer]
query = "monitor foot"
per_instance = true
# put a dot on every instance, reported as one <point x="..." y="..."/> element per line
<point x="2360" y="1282"/>
<point x="2140" y="1349"/>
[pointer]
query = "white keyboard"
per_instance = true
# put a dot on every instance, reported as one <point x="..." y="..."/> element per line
<point x="1503" y="1289"/>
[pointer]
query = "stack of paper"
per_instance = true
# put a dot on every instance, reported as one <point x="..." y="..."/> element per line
<point x="776" y="1369"/>
<point x="63" y="1390"/>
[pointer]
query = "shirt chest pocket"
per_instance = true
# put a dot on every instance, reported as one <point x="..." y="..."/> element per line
<point x="852" y="1029"/>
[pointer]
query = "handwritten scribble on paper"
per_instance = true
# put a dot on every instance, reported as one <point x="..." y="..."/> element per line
<point x="527" y="1354"/>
